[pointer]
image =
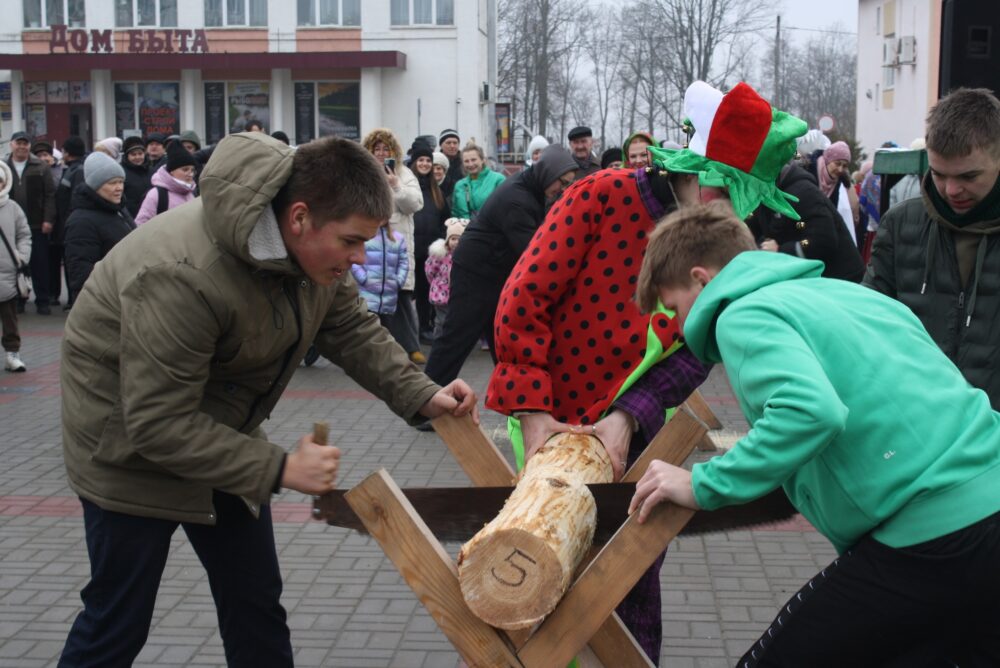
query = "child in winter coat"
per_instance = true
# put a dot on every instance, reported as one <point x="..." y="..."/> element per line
<point x="438" y="269"/>
<point x="384" y="272"/>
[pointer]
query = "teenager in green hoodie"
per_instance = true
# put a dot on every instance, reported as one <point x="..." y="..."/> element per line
<point x="871" y="431"/>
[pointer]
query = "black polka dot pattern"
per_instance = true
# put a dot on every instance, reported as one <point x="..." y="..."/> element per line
<point x="568" y="331"/>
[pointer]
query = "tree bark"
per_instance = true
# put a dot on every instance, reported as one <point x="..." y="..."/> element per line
<point x="515" y="571"/>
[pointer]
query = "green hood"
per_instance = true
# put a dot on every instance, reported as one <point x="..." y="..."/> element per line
<point x="746" y="273"/>
<point x="244" y="175"/>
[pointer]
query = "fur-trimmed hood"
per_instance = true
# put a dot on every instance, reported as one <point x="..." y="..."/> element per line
<point x="387" y="137"/>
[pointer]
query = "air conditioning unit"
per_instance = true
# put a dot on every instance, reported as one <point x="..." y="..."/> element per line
<point x="907" y="50"/>
<point x="890" y="52"/>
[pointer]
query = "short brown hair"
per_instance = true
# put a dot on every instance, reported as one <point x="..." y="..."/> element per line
<point x="336" y="178"/>
<point x="706" y="235"/>
<point x="964" y="120"/>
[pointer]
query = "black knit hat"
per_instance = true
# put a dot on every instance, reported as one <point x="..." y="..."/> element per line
<point x="74" y="146"/>
<point x="158" y="137"/>
<point x="178" y="156"/>
<point x="445" y="134"/>
<point x="421" y="149"/>
<point x="610" y="156"/>
<point x="132" y="143"/>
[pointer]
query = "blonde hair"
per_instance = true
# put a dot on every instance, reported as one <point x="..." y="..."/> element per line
<point x="706" y="235"/>
<point x="386" y="136"/>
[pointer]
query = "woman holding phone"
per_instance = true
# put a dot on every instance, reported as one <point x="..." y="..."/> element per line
<point x="408" y="199"/>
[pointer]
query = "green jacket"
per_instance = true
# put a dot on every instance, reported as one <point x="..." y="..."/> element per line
<point x="182" y="341"/>
<point x="855" y="411"/>
<point x="470" y="195"/>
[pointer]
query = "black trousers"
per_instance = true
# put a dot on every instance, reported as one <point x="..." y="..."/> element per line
<point x="39" y="264"/>
<point x="127" y="557"/>
<point x="421" y="292"/>
<point x="471" y="307"/>
<point x="55" y="271"/>
<point x="927" y="605"/>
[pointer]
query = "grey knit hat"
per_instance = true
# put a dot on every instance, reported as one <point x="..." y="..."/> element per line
<point x="99" y="168"/>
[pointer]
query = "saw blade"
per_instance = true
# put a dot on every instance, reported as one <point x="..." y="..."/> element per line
<point x="458" y="513"/>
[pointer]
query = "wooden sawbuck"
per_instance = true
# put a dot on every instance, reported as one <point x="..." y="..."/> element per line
<point x="583" y="624"/>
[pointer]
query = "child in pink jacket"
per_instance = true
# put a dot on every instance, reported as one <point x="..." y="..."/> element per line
<point x="438" y="269"/>
<point x="173" y="184"/>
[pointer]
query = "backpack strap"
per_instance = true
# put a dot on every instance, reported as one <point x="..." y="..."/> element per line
<point x="163" y="200"/>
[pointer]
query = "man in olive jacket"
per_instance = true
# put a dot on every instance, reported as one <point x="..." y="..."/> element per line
<point x="177" y="349"/>
<point x="939" y="254"/>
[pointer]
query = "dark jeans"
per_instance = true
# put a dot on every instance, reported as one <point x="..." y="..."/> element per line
<point x="127" y="557"/>
<point x="40" y="267"/>
<point x="931" y="604"/>
<point x="55" y="271"/>
<point x="8" y="316"/>
<point x="471" y="308"/>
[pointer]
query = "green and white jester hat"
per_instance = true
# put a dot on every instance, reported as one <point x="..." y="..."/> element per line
<point x="740" y="143"/>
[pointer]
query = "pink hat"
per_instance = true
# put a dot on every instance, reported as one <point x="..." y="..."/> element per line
<point x="837" y="151"/>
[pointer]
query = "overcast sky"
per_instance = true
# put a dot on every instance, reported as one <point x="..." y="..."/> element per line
<point x="819" y="15"/>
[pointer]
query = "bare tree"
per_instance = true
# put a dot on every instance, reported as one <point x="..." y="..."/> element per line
<point x="605" y="52"/>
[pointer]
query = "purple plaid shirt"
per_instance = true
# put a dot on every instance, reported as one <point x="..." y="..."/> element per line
<point x="666" y="385"/>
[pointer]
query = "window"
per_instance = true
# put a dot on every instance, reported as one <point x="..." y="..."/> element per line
<point x="149" y="107"/>
<point x="325" y="108"/>
<point x="46" y="13"/>
<point x="329" y="12"/>
<point x="422" y="12"/>
<point x="235" y="13"/>
<point x="153" y="13"/>
<point x="878" y="20"/>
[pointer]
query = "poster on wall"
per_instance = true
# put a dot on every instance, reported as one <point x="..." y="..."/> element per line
<point x="34" y="92"/>
<point x="159" y="110"/>
<point x="215" y="111"/>
<point x="502" y="115"/>
<point x="305" y="112"/>
<point x="249" y="101"/>
<point x="338" y="109"/>
<point x="5" y="109"/>
<point x="124" y="108"/>
<point x="79" y="92"/>
<point x="35" y="120"/>
<point x="57" y="92"/>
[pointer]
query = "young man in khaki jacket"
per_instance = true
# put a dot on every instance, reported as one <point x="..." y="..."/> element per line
<point x="180" y="344"/>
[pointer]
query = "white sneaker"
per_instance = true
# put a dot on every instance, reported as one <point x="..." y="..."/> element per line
<point x="14" y="363"/>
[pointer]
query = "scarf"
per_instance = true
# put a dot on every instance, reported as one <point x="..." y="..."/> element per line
<point x="826" y="182"/>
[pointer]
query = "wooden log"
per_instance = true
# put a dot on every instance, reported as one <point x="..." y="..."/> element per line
<point x="516" y="569"/>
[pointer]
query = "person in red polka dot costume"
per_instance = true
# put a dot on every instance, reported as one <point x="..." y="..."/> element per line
<point x="569" y="335"/>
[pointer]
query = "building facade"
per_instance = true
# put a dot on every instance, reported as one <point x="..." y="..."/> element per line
<point x="899" y="45"/>
<point x="311" y="68"/>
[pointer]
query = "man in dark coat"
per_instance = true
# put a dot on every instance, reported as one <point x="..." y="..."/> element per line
<point x="450" y="143"/>
<point x="34" y="192"/>
<point x="74" y="152"/>
<point x="490" y="246"/>
<point x="939" y="254"/>
<point x="581" y="141"/>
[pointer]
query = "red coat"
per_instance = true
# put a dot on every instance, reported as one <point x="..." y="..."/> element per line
<point x="568" y="332"/>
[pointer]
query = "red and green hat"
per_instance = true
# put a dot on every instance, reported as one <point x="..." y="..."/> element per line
<point x="740" y="143"/>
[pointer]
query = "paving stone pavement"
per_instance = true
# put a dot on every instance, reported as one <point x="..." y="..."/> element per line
<point x="347" y="605"/>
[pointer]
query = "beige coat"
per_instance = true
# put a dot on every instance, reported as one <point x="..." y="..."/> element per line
<point x="183" y="340"/>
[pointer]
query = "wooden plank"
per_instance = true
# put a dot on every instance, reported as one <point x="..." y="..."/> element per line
<point x="428" y="569"/>
<point x="474" y="451"/>
<point x="672" y="444"/>
<point x="696" y="402"/>
<point x="607" y="580"/>
<point x="706" y="444"/>
<point x="613" y="644"/>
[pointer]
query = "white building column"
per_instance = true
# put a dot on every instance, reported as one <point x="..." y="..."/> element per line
<point x="282" y="102"/>
<point x="16" y="102"/>
<point x="102" y="100"/>
<point x="192" y="102"/>
<point x="371" y="99"/>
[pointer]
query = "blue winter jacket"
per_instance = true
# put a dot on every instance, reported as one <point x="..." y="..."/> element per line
<point x="384" y="271"/>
